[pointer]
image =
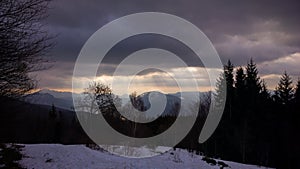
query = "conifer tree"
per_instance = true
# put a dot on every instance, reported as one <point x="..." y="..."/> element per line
<point x="253" y="84"/>
<point x="219" y="103"/>
<point x="220" y="93"/>
<point x="52" y="112"/>
<point x="228" y="73"/>
<point x="297" y="93"/>
<point x="240" y="95"/>
<point x="284" y="90"/>
<point x="240" y="85"/>
<point x="264" y="93"/>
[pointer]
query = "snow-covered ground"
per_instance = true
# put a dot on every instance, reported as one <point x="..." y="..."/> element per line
<point x="79" y="156"/>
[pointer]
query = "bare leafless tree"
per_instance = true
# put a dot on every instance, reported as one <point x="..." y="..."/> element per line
<point x="98" y="98"/>
<point x="24" y="44"/>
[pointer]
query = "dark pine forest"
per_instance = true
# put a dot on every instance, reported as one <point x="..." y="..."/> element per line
<point x="258" y="126"/>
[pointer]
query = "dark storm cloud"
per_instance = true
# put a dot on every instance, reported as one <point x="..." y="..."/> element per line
<point x="262" y="29"/>
<point x="76" y="20"/>
<point x="135" y="43"/>
<point x="58" y="77"/>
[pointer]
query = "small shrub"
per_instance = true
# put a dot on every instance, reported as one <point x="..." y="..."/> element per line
<point x="209" y="160"/>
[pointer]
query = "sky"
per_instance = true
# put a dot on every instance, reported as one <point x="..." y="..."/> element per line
<point x="265" y="30"/>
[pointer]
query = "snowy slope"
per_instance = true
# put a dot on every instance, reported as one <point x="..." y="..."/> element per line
<point x="78" y="156"/>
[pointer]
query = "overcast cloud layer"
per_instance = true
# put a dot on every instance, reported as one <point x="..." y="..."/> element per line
<point x="267" y="31"/>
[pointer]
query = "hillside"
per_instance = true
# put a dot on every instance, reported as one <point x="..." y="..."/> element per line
<point x="79" y="156"/>
<point x="31" y="123"/>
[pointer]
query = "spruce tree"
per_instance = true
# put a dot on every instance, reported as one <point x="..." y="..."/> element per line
<point x="284" y="91"/>
<point x="252" y="111"/>
<point x="297" y="93"/>
<point x="239" y="119"/>
<point x="220" y="93"/>
<point x="220" y="139"/>
<point x="283" y="96"/>
<point x="253" y="84"/>
<point x="240" y="84"/>
<point x="52" y="112"/>
<point x="295" y="117"/>
<point x="228" y="73"/>
<point x="240" y="95"/>
<point x="264" y="93"/>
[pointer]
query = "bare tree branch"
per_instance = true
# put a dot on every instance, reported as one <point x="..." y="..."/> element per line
<point x="23" y="44"/>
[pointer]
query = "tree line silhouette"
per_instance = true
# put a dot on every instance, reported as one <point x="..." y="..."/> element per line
<point x="258" y="126"/>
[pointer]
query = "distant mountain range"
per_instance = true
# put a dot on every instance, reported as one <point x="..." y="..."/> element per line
<point x="48" y="97"/>
<point x="64" y="99"/>
<point x="156" y="98"/>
